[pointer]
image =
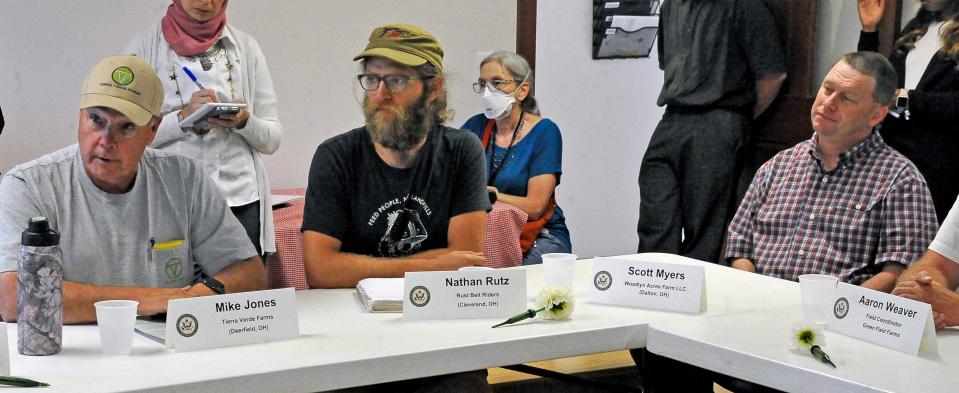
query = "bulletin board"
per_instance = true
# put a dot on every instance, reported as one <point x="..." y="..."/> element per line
<point x="624" y="29"/>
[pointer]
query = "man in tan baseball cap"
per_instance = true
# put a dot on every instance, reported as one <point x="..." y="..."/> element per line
<point x="122" y="94"/>
<point x="135" y="222"/>
<point x="126" y="84"/>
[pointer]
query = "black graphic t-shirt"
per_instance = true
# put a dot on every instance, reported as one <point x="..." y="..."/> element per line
<point x="378" y="210"/>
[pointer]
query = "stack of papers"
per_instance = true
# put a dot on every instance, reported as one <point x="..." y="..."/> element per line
<point x="381" y="294"/>
<point x="279" y="199"/>
<point x="152" y="329"/>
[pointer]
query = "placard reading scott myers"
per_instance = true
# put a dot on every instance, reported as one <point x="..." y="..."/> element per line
<point x="653" y="285"/>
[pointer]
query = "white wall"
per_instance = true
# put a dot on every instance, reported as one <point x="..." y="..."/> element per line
<point x="47" y="47"/>
<point x="606" y="110"/>
<point x="837" y="32"/>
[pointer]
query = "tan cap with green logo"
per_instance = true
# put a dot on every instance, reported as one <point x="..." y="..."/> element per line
<point x="404" y="44"/>
<point x="126" y="84"/>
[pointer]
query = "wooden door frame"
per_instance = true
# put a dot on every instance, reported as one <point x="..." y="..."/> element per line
<point x="526" y="30"/>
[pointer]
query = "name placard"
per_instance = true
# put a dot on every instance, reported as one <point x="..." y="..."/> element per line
<point x="653" y="285"/>
<point x="232" y="319"/>
<point x="4" y="350"/>
<point x="464" y="294"/>
<point x="880" y="318"/>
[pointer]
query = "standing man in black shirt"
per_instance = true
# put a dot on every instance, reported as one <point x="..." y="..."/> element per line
<point x="403" y="193"/>
<point x="723" y="65"/>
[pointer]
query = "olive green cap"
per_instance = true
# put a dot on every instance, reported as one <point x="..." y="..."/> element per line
<point x="404" y="44"/>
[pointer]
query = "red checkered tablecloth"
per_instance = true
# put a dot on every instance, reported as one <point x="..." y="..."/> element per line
<point x="285" y="267"/>
<point x="503" y="227"/>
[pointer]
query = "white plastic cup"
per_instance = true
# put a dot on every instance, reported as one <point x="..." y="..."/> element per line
<point x="4" y="350"/>
<point x="817" y="293"/>
<point x="560" y="268"/>
<point x="116" y="319"/>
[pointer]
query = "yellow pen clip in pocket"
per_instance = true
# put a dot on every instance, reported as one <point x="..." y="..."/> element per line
<point x="171" y="259"/>
<point x="163" y="246"/>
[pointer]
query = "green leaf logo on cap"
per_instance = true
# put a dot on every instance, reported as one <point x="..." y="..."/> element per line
<point x="122" y="76"/>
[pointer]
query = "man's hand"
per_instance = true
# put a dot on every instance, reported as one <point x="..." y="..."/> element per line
<point x="743" y="264"/>
<point x="870" y="13"/>
<point x="939" y="320"/>
<point x="454" y="260"/>
<point x="157" y="304"/>
<point x="943" y="300"/>
<point x="236" y="120"/>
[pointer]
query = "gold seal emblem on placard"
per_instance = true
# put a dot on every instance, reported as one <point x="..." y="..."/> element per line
<point x="187" y="325"/>
<point x="841" y="308"/>
<point x="419" y="296"/>
<point x="602" y="280"/>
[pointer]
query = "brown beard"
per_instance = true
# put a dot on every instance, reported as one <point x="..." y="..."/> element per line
<point x="405" y="130"/>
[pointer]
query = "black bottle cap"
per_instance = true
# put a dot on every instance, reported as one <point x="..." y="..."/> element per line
<point x="39" y="234"/>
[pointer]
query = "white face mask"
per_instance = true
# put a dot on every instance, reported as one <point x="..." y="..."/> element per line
<point x="498" y="105"/>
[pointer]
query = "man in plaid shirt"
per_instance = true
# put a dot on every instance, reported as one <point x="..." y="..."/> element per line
<point x="842" y="203"/>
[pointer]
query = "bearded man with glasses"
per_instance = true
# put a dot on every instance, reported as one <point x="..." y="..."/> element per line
<point x="402" y="193"/>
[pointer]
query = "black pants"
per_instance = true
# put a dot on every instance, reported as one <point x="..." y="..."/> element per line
<point x="249" y="216"/>
<point x="662" y="374"/>
<point x="687" y="182"/>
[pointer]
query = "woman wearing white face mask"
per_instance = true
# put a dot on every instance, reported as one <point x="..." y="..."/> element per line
<point x="523" y="152"/>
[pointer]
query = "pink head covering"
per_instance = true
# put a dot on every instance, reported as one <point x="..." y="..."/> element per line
<point x="187" y="36"/>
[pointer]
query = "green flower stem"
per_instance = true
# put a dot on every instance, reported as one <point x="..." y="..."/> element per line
<point x="819" y="354"/>
<point x="519" y="317"/>
<point x="21" y="382"/>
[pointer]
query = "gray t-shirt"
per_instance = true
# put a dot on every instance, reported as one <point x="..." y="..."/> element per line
<point x="131" y="239"/>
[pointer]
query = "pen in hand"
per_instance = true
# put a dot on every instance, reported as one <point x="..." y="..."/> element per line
<point x="193" y="78"/>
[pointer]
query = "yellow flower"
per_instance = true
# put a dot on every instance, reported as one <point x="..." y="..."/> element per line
<point x="805" y="336"/>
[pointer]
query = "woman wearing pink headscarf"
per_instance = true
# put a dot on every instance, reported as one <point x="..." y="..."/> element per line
<point x="230" y="67"/>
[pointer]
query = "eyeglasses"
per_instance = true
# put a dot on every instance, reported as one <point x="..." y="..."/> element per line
<point x="395" y="83"/>
<point x="495" y="84"/>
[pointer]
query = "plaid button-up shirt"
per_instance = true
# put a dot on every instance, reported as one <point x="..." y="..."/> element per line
<point x="874" y="208"/>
